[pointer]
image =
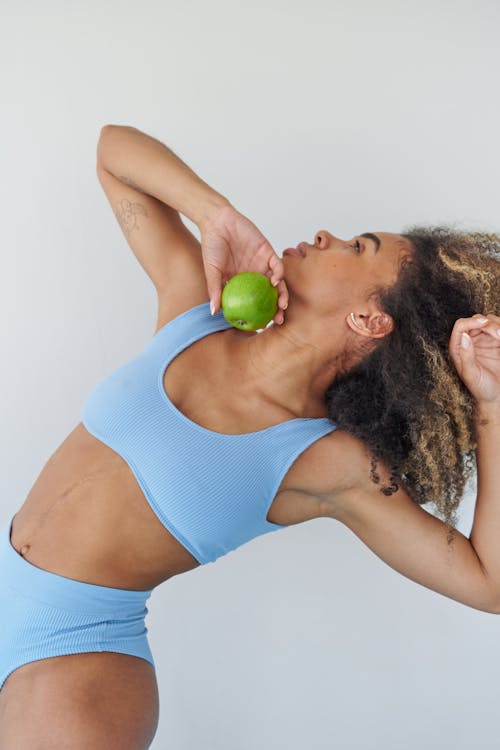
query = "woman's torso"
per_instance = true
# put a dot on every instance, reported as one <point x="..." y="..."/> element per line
<point x="86" y="517"/>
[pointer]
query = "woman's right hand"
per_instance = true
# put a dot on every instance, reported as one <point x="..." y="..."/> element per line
<point x="231" y="244"/>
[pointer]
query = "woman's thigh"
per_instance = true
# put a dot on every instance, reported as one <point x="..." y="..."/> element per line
<point x="105" y="700"/>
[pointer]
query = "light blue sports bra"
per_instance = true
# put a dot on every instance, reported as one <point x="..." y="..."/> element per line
<point x="211" y="490"/>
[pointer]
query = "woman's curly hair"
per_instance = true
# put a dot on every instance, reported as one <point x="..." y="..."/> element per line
<point x="405" y="400"/>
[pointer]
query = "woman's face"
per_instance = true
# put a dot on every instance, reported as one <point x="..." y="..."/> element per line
<point x="336" y="276"/>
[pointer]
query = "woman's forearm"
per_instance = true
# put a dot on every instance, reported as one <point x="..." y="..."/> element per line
<point x="148" y="165"/>
<point x="485" y="532"/>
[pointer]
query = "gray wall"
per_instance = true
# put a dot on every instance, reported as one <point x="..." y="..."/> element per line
<point x="349" y="116"/>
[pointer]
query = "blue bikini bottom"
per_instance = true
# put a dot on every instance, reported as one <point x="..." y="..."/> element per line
<point x="43" y="614"/>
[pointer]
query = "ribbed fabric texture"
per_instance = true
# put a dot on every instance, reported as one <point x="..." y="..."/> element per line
<point x="211" y="490"/>
<point x="43" y="614"/>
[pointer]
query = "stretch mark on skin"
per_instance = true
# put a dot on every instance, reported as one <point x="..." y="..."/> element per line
<point x="89" y="476"/>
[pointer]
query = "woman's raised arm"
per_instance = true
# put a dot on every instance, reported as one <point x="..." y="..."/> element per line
<point x="415" y="543"/>
<point x="149" y="187"/>
<point x="410" y="539"/>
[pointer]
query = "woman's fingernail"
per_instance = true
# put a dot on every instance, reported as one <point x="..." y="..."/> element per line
<point x="276" y="282"/>
<point x="465" y="341"/>
<point x="212" y="307"/>
<point x="482" y="320"/>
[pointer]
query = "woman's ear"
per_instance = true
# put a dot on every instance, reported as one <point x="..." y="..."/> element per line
<point x="380" y="324"/>
<point x="375" y="325"/>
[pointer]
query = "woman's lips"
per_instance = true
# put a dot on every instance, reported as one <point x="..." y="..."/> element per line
<point x="299" y="250"/>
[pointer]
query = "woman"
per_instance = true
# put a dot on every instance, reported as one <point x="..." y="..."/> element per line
<point x="371" y="396"/>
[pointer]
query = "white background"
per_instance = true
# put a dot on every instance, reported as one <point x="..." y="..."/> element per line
<point x="349" y="116"/>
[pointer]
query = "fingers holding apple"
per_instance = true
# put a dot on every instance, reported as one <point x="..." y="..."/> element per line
<point x="232" y="244"/>
<point x="277" y="270"/>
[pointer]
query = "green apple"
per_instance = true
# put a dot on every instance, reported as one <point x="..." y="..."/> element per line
<point x="249" y="301"/>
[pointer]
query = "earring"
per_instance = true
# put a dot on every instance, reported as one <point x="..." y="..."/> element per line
<point x="354" y="320"/>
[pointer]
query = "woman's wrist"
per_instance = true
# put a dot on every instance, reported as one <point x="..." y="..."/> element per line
<point x="211" y="210"/>
<point x="487" y="412"/>
<point x="207" y="208"/>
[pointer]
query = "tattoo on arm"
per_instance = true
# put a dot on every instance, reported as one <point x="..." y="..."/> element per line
<point x="127" y="213"/>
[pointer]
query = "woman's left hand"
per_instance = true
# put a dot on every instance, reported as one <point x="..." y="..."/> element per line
<point x="478" y="364"/>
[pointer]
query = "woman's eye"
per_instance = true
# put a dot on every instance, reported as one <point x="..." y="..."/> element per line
<point x="357" y="244"/>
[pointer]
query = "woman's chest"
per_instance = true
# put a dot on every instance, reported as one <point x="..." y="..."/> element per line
<point x="210" y="393"/>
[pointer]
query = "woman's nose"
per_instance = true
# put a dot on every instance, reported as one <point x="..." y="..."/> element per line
<point x="322" y="239"/>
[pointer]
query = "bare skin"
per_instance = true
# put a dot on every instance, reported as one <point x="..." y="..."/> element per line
<point x="80" y="495"/>
<point x="293" y="364"/>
